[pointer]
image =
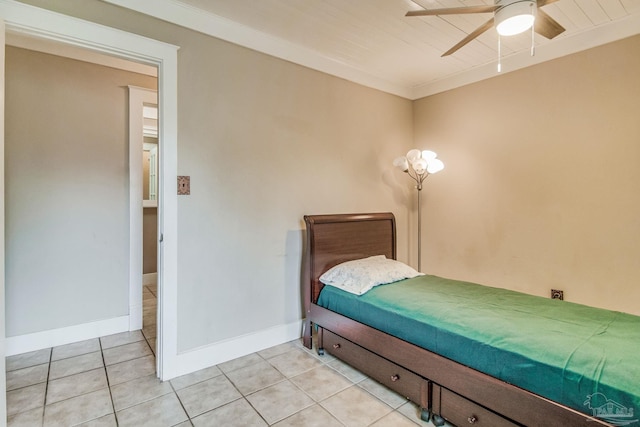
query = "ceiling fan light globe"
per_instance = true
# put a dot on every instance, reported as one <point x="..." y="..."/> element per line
<point x="515" y="18"/>
<point x="515" y="25"/>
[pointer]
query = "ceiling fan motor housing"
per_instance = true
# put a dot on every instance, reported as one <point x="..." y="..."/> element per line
<point x="515" y="16"/>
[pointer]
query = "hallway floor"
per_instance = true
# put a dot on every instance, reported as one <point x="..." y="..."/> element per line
<point x="110" y="381"/>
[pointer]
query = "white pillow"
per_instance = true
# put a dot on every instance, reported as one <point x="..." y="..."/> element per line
<point x="361" y="275"/>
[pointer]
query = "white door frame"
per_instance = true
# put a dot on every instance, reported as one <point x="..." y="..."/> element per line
<point x="40" y="23"/>
<point x="3" y="375"/>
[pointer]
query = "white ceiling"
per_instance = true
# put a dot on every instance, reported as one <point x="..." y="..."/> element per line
<point x="371" y="41"/>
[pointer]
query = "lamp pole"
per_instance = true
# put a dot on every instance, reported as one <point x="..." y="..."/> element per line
<point x="419" y="188"/>
<point x="419" y="165"/>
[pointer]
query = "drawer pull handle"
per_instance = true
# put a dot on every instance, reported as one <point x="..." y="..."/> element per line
<point x="472" y="419"/>
<point x="336" y="346"/>
<point x="395" y="377"/>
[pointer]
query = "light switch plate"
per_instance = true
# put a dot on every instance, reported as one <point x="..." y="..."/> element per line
<point x="184" y="185"/>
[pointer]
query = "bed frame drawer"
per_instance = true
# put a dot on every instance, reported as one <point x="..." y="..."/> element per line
<point x="462" y="412"/>
<point x="404" y="382"/>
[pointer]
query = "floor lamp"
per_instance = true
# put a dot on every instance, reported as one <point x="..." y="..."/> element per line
<point x="419" y="165"/>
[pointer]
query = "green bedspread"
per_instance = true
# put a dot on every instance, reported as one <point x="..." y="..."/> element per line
<point x="583" y="357"/>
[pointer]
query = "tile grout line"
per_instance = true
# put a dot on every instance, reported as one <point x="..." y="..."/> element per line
<point x="144" y="335"/>
<point x="46" y="387"/>
<point x="243" y="395"/>
<point x="286" y="378"/>
<point x="181" y="404"/>
<point x="106" y="374"/>
<point x="353" y="384"/>
<point x="149" y="289"/>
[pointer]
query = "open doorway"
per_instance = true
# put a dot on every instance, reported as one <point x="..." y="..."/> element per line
<point x="66" y="195"/>
<point x="143" y="183"/>
<point x="150" y="172"/>
<point x="41" y="24"/>
<point x="67" y="227"/>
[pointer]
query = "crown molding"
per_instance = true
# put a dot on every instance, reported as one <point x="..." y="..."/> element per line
<point x="187" y="16"/>
<point x="576" y="42"/>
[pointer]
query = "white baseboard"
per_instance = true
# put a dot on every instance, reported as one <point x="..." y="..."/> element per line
<point x="149" y="278"/>
<point x="232" y="348"/>
<point x="135" y="317"/>
<point x="61" y="336"/>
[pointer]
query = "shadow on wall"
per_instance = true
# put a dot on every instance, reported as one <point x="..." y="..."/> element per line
<point x="294" y="272"/>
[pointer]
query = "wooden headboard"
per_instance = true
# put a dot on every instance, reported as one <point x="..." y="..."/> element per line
<point x="332" y="239"/>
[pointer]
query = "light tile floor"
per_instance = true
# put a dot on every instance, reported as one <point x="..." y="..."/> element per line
<point x="110" y="381"/>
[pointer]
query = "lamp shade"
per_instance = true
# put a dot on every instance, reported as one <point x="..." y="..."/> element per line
<point x="420" y="166"/>
<point x="401" y="163"/>
<point x="413" y="155"/>
<point x="428" y="155"/>
<point x="435" y="166"/>
<point x="515" y="18"/>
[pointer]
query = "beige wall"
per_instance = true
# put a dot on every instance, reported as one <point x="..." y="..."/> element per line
<point x="542" y="186"/>
<point x="150" y="240"/>
<point x="145" y="175"/>
<point x="67" y="191"/>
<point x="265" y="142"/>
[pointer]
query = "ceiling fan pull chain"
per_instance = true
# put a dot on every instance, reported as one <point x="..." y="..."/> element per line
<point x="533" y="46"/>
<point x="499" y="54"/>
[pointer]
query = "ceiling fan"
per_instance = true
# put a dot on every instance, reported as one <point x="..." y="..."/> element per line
<point x="506" y="13"/>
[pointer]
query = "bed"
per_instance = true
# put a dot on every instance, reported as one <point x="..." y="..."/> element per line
<point x="450" y="357"/>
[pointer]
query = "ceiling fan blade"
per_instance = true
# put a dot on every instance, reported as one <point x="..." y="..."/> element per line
<point x="545" y="2"/>
<point x="453" y="10"/>
<point x="547" y="26"/>
<point x="481" y="29"/>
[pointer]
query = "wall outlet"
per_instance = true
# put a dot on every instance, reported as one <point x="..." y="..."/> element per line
<point x="557" y="294"/>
